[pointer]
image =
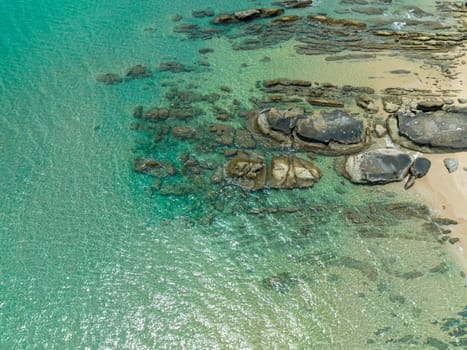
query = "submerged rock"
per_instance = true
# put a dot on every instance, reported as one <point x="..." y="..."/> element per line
<point x="336" y="21"/>
<point x="293" y="3"/>
<point x="378" y="167"/>
<point x="247" y="15"/>
<point x="137" y="72"/>
<point x="109" y="78"/>
<point x="153" y="167"/>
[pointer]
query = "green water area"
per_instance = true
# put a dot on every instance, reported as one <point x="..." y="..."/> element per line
<point x="215" y="175"/>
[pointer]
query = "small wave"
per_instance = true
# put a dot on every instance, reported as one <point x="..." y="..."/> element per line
<point x="398" y="25"/>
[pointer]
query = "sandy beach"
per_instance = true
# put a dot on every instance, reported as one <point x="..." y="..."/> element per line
<point x="446" y="193"/>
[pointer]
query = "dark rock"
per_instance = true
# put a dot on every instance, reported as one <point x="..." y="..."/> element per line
<point x="281" y="282"/>
<point x="378" y="167"/>
<point x="244" y="139"/>
<point x="371" y="11"/>
<point x="430" y="105"/>
<point x="439" y="130"/>
<point x="420" y="167"/>
<point x="225" y="133"/>
<point x="278" y="124"/>
<point x="436" y="343"/>
<point x="392" y="104"/>
<point x="248" y="171"/>
<point x="336" y="21"/>
<point x="157" y="114"/>
<point x="451" y="164"/>
<point x="138" y="112"/>
<point x="364" y="101"/>
<point x="453" y="240"/>
<point x="444" y="221"/>
<point x="205" y="50"/>
<point x="225" y="89"/>
<point x="174" y="67"/>
<point x="286" y="19"/>
<point x="185" y="28"/>
<point x="137" y="72"/>
<point x="153" y="167"/>
<point x="400" y="71"/>
<point x="224" y="19"/>
<point x="440" y="268"/>
<point x="109" y="78"/>
<point x="247" y="14"/>
<point x="286" y="82"/>
<point x="183" y="132"/>
<point x="183" y="113"/>
<point x="292" y="172"/>
<point x="325" y="102"/>
<point x="293" y="3"/>
<point x="202" y="13"/>
<point x="410" y="182"/>
<point x="268" y="12"/>
<point x="336" y="126"/>
<point x="176" y="18"/>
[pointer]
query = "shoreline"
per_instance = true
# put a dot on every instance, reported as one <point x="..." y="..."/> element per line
<point x="446" y="194"/>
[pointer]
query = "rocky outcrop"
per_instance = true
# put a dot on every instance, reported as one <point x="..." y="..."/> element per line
<point x="325" y="102"/>
<point x="292" y="172"/>
<point x="153" y="167"/>
<point x="277" y="124"/>
<point x="293" y="3"/>
<point x="430" y="105"/>
<point x="378" y="167"/>
<point x="334" y="132"/>
<point x="336" y="21"/>
<point x="157" y="114"/>
<point x="438" y="131"/>
<point x="283" y="172"/>
<point x="247" y="15"/>
<point x="248" y="171"/>
<point x="286" y="19"/>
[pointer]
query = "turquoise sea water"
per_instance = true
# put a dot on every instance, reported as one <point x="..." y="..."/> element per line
<point x="90" y="260"/>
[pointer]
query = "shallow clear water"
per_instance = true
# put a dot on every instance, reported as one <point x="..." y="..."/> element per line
<point x="89" y="260"/>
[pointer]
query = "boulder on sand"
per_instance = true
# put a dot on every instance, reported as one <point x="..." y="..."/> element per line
<point x="379" y="166"/>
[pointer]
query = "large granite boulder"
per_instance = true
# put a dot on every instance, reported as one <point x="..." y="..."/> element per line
<point x="279" y="124"/>
<point x="335" y="132"/>
<point x="438" y="131"/>
<point x="378" y="166"/>
<point x="248" y="171"/>
<point x="292" y="172"/>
